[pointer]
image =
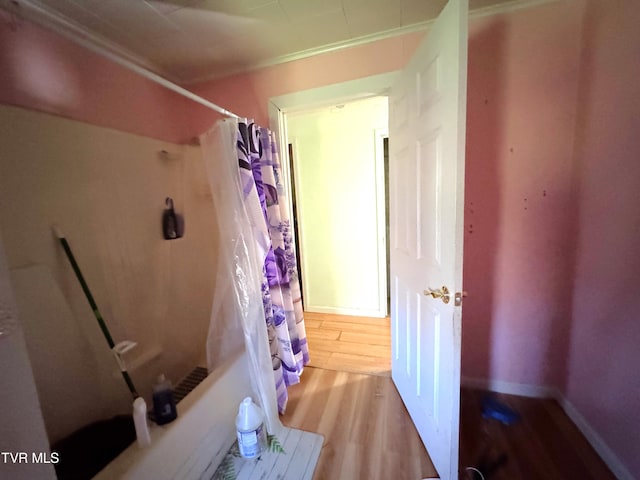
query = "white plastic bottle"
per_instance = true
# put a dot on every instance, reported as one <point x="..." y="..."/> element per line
<point x="140" y="422"/>
<point x="252" y="436"/>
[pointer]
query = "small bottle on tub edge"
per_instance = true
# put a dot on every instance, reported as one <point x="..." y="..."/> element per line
<point x="164" y="404"/>
<point x="252" y="435"/>
<point x="140" y="422"/>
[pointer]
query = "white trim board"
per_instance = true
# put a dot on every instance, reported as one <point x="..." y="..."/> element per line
<point x="596" y="441"/>
<point x="353" y="312"/>
<point x="305" y="100"/>
<point x="538" y="391"/>
<point x="351" y="90"/>
<point x="510" y="388"/>
<point x="381" y="217"/>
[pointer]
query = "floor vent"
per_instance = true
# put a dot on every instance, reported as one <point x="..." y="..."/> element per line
<point x="190" y="382"/>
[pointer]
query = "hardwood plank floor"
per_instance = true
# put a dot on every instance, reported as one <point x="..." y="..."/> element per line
<point x="349" y="343"/>
<point x="544" y="444"/>
<point x="349" y="398"/>
<point x="368" y="432"/>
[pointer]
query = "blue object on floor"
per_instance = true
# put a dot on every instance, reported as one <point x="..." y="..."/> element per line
<point x="492" y="408"/>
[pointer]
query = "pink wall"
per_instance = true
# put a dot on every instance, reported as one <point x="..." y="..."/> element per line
<point x="43" y="71"/>
<point x="551" y="250"/>
<point x="604" y="383"/>
<point x="523" y="75"/>
<point x="520" y="320"/>
<point x="248" y="94"/>
<point x="552" y="258"/>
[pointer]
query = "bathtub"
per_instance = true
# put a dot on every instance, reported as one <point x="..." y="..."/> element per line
<point x="198" y="439"/>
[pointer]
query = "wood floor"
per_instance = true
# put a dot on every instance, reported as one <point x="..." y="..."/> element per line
<point x="369" y="434"/>
<point x="349" y="344"/>
<point x="543" y="445"/>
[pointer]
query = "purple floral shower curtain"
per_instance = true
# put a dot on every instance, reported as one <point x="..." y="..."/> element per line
<point x="264" y="199"/>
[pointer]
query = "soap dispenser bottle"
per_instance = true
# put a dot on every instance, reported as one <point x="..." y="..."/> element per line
<point x="164" y="404"/>
<point x="169" y="221"/>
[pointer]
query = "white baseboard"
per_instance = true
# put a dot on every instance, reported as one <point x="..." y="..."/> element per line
<point x="596" y="441"/>
<point x="510" y="388"/>
<point x="354" y="312"/>
<point x="544" y="391"/>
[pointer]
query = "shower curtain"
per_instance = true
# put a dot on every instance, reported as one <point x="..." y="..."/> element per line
<point x="260" y="263"/>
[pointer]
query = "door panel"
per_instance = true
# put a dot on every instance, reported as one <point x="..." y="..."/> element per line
<point x="399" y="199"/>
<point x="429" y="176"/>
<point x="427" y="131"/>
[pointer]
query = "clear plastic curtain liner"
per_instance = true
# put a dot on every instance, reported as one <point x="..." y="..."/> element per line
<point x="240" y="265"/>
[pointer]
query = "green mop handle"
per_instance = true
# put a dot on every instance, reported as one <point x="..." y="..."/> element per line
<point x="92" y="302"/>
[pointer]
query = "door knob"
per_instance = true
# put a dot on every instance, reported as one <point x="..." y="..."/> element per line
<point x="442" y="293"/>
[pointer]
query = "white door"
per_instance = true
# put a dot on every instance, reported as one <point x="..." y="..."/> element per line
<point x="427" y="143"/>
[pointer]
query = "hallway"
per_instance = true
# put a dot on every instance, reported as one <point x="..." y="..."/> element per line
<point x="348" y="343"/>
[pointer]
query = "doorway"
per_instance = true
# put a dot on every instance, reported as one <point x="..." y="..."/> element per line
<point x="337" y="161"/>
<point x="366" y="338"/>
<point x="339" y="196"/>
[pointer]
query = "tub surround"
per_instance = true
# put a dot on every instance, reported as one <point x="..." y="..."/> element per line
<point x="198" y="438"/>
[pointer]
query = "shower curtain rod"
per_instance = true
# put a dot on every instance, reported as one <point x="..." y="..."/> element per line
<point x="181" y="91"/>
<point x="49" y="20"/>
<point x="177" y="88"/>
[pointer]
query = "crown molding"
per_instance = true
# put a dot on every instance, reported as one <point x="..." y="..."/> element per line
<point x="312" y="52"/>
<point x="48" y="18"/>
<point x="507" y="7"/>
<point x="354" y="42"/>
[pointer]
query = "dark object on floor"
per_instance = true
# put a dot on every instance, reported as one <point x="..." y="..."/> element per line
<point x="491" y="460"/>
<point x="488" y="463"/>
<point x="492" y="408"/>
<point x="88" y="450"/>
<point x="474" y="474"/>
<point x="488" y="467"/>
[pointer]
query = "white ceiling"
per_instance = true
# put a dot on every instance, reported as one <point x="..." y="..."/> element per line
<point x="192" y="40"/>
